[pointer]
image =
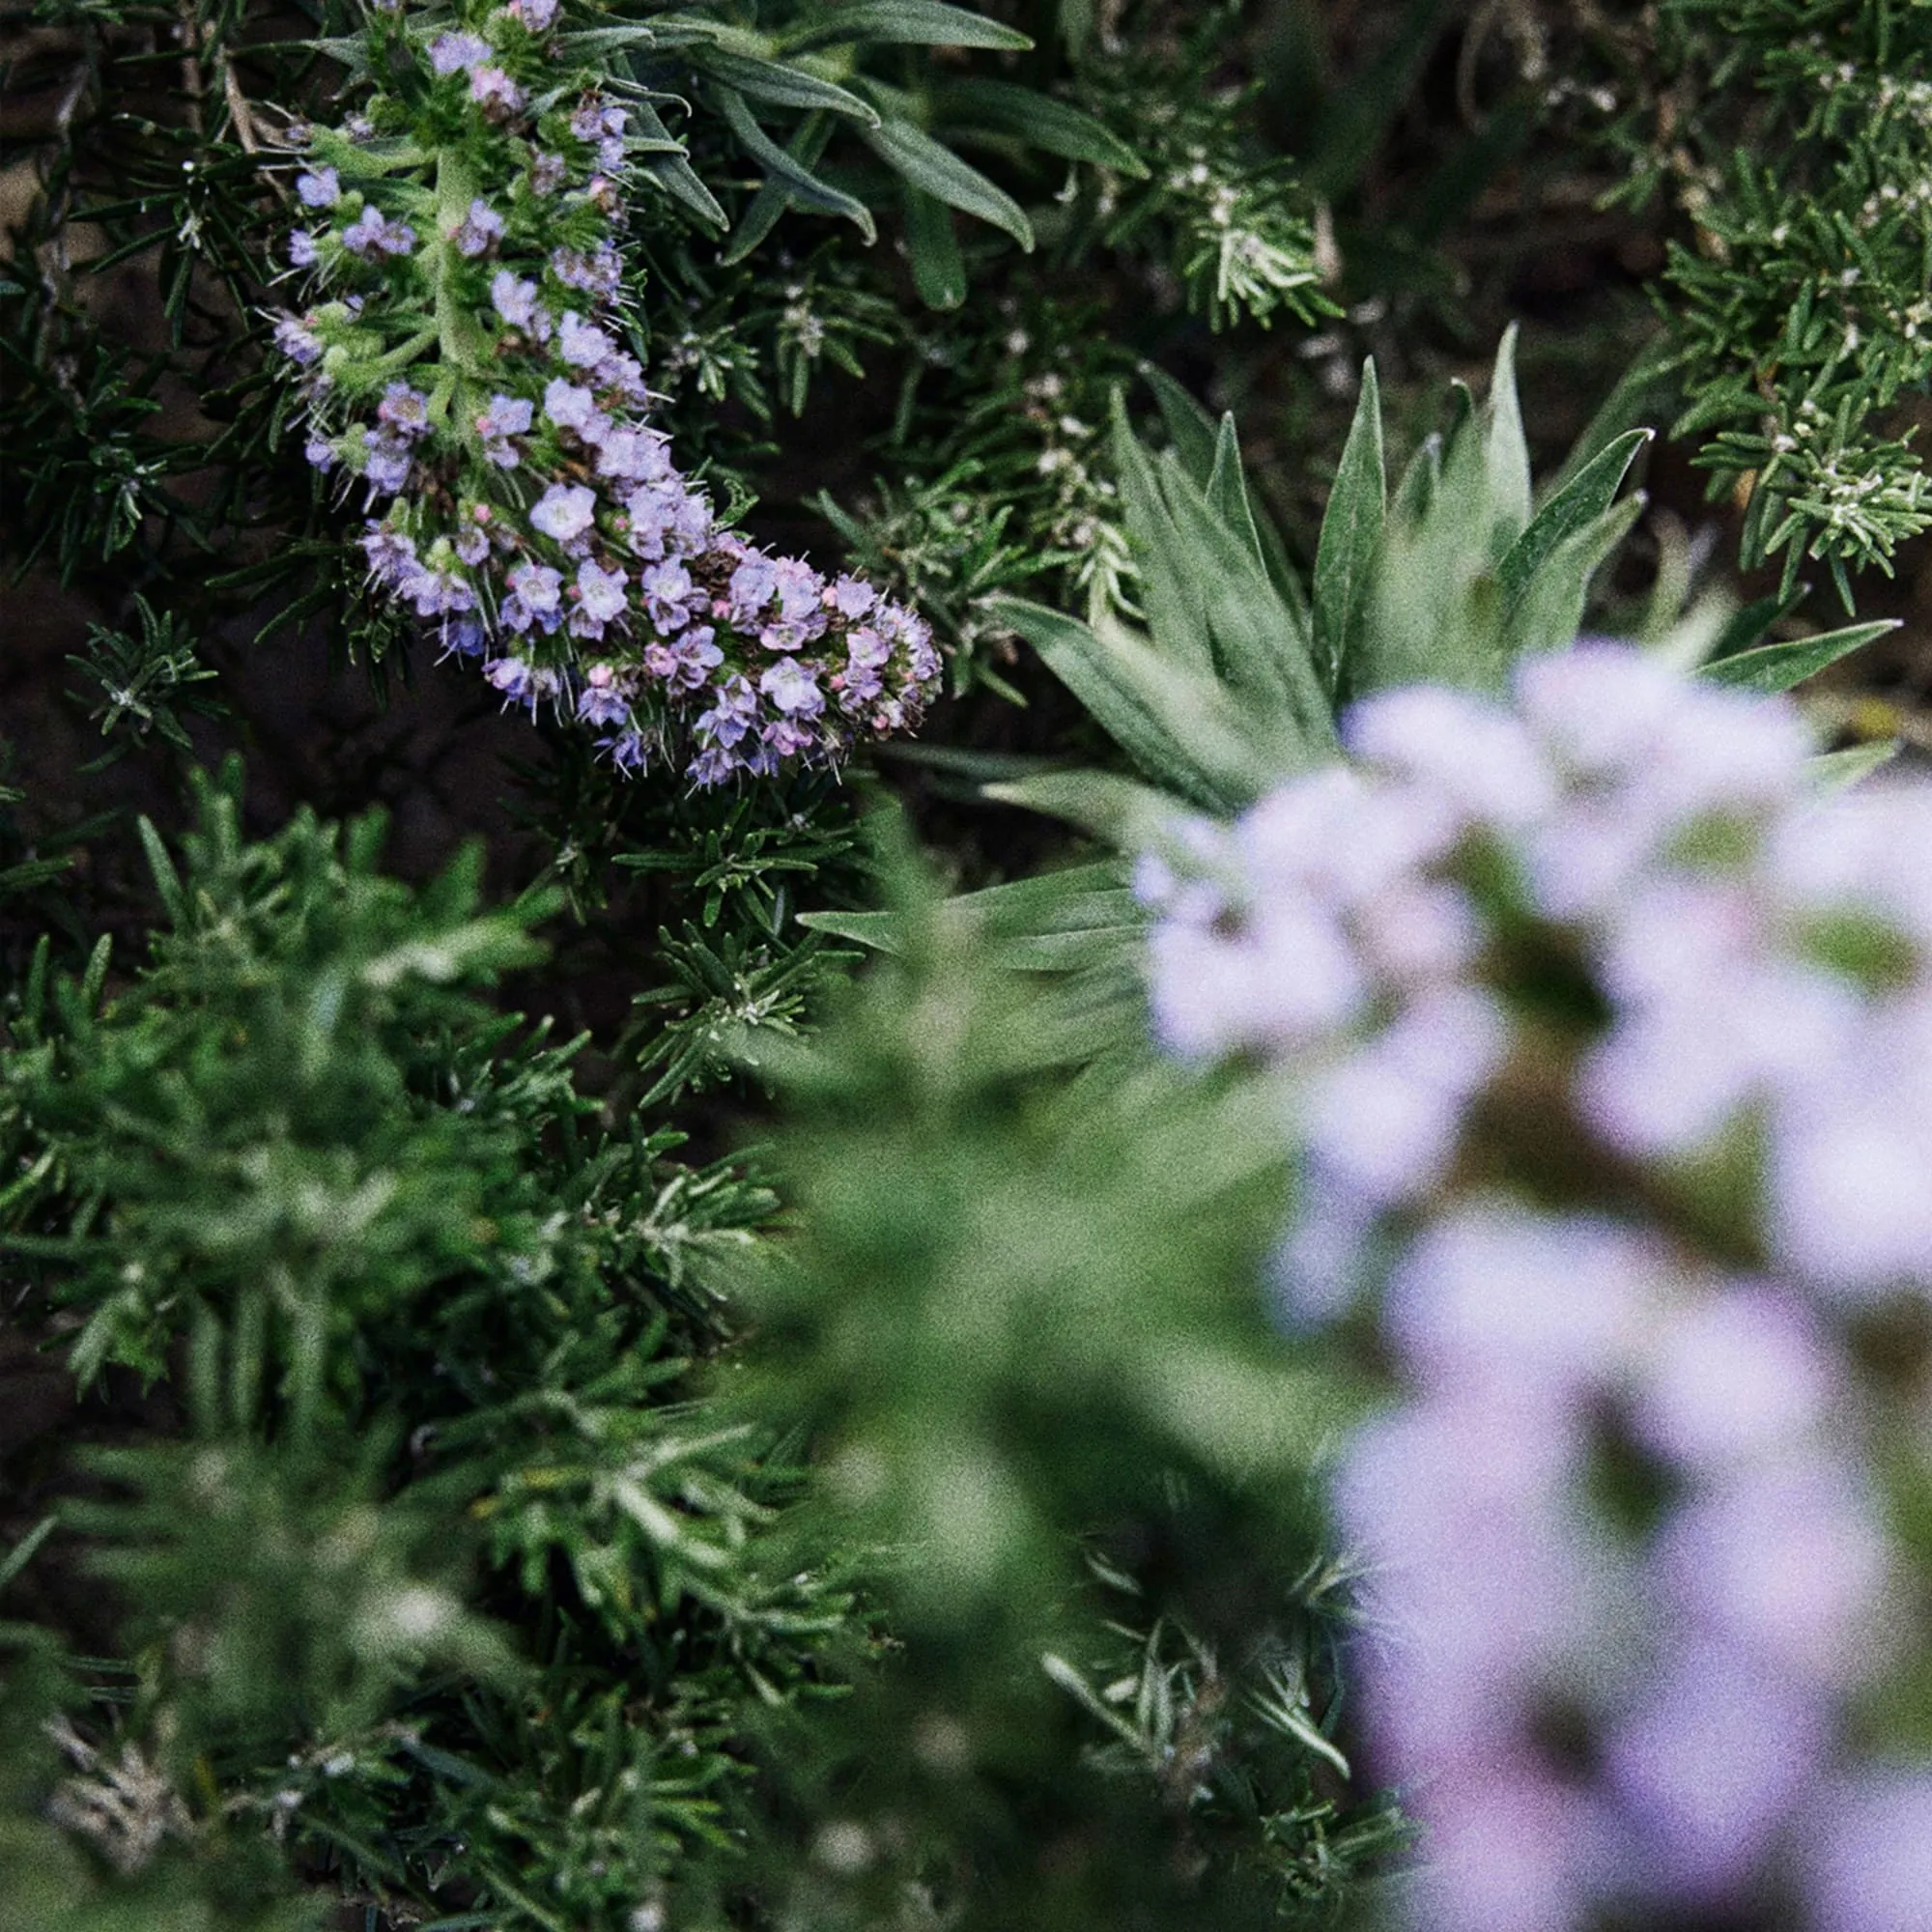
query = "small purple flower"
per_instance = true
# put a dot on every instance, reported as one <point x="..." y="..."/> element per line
<point x="628" y="752"/>
<point x="515" y="300"/>
<point x="752" y="584"/>
<point x="506" y="417"/>
<point x="496" y="93"/>
<point x="600" y="701"/>
<point x="392" y="553"/>
<point x="569" y="404"/>
<point x="472" y="546"/>
<point x="520" y="683"/>
<point x="633" y="454"/>
<point x="300" y="345"/>
<point x="548" y="173"/>
<point x="481" y="227"/>
<point x="319" y="188"/>
<point x="733" y="713"/>
<point x="453" y="53"/>
<point x="404" y="410"/>
<point x="687" y="661"/>
<point x="596" y="273"/>
<point x="388" y="461"/>
<point x="666" y="590"/>
<point x="712" y="766"/>
<point x="535" y="15"/>
<point x="792" y="689"/>
<point x="321" y="455"/>
<point x="369" y="235"/>
<point x="564" y="511"/>
<point x="852" y="597"/>
<point x="599" y="597"/>
<point x="301" y="248"/>
<point x="582" y="344"/>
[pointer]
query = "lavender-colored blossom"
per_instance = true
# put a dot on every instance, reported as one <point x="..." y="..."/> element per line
<point x="852" y="597"/>
<point x="458" y="52"/>
<point x="753" y="584"/>
<point x="569" y="404"/>
<point x="668" y="591"/>
<point x="299" y="343"/>
<point x="635" y="455"/>
<point x="600" y="598"/>
<point x="481" y="228"/>
<point x="319" y="188"/>
<point x="1865" y="1866"/>
<point x="548" y="173"/>
<point x="601" y="701"/>
<point x="792" y="689"/>
<point x="318" y="453"/>
<point x="731" y="715"/>
<point x="521" y="682"/>
<point x="564" y="511"/>
<point x="301" y="248"/>
<point x="629" y="753"/>
<point x="596" y="272"/>
<point x="369" y="235"/>
<point x="535" y="15"/>
<point x="515" y="300"/>
<point x="581" y="343"/>
<point x="404" y="410"/>
<point x="387" y="462"/>
<point x="392" y="553"/>
<point x="496" y="93"/>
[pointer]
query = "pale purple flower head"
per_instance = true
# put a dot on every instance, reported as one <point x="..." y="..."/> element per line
<point x="299" y="344"/>
<point x="535" y="15"/>
<point x="792" y="689"/>
<point x="458" y="52"/>
<point x="482" y="227"/>
<point x="496" y="93"/>
<point x="569" y="404"/>
<point x="516" y="301"/>
<point x="601" y="701"/>
<point x="404" y="410"/>
<point x="581" y="343"/>
<point x="369" y="235"/>
<point x="564" y="511"/>
<point x="301" y="248"/>
<point x="387" y="462"/>
<point x="319" y="188"/>
<point x="668" y="592"/>
<point x="600" y="598"/>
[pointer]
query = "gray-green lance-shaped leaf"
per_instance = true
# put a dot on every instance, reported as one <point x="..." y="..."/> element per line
<point x="1546" y="616"/>
<point x="1180" y="725"/>
<point x="933" y="250"/>
<point x="786" y="85"/>
<point x="936" y="170"/>
<point x="800" y="182"/>
<point x="773" y="198"/>
<point x="1506" y="450"/>
<point x="906" y="24"/>
<point x="1580" y="501"/>
<point x="1775" y="667"/>
<point x="667" y="166"/>
<point x="1352" y="537"/>
<point x="1002" y="108"/>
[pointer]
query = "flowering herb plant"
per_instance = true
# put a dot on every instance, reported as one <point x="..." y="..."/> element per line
<point x="467" y="366"/>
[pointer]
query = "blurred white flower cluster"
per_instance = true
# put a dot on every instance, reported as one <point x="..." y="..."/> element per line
<point x="1607" y="1051"/>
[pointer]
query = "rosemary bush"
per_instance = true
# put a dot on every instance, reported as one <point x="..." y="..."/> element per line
<point x="947" y="976"/>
